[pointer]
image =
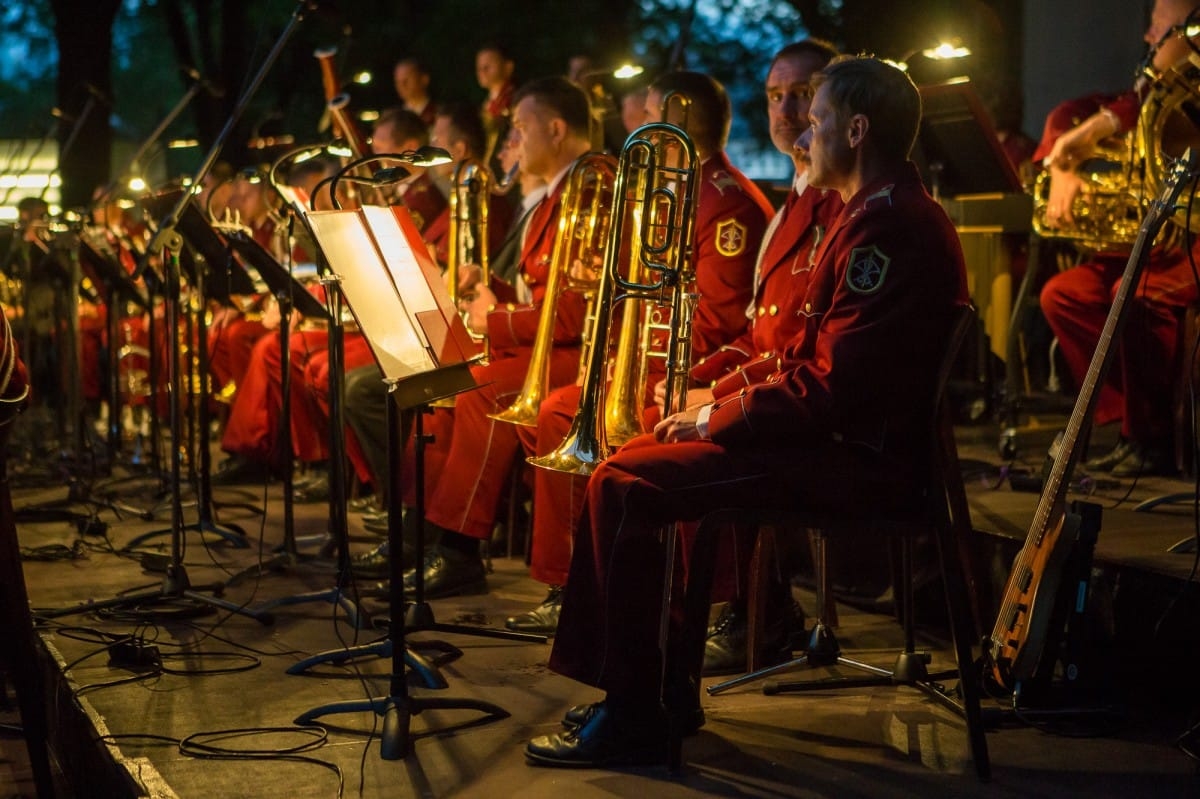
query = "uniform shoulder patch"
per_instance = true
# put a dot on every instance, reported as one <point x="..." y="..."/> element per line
<point x="731" y="237"/>
<point x="867" y="269"/>
<point x="722" y="180"/>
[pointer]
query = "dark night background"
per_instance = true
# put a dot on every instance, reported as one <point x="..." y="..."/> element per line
<point x="134" y="50"/>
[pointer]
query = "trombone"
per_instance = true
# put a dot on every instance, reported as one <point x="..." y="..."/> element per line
<point x="656" y="195"/>
<point x="470" y="190"/>
<point x="584" y="224"/>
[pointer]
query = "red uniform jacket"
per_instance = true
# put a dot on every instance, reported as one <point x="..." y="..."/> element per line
<point x="424" y="201"/>
<point x="785" y="264"/>
<point x="889" y="273"/>
<point x="515" y="325"/>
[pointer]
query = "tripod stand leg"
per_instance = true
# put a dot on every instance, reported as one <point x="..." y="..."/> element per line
<point x="234" y="535"/>
<point x="334" y="596"/>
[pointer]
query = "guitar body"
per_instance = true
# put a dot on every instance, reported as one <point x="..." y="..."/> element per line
<point x="1019" y="636"/>
<point x="1017" y="642"/>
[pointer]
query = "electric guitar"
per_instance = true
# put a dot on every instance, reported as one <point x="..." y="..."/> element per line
<point x="1019" y="636"/>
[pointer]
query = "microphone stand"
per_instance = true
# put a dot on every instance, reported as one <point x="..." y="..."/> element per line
<point x="150" y="140"/>
<point x="175" y="584"/>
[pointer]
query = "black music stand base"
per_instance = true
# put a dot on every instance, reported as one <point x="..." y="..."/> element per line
<point x="398" y="708"/>
<point x="397" y="713"/>
<point x="231" y="534"/>
<point x="175" y="586"/>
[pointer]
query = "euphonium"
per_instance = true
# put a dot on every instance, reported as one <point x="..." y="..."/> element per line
<point x="1169" y="123"/>
<point x="1119" y="183"/>
<point x="1108" y="211"/>
<point x="656" y="195"/>
<point x="584" y="225"/>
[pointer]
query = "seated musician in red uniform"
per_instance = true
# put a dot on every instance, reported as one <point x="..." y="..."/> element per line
<point x="471" y="456"/>
<point x="836" y="423"/>
<point x="457" y="129"/>
<point x="1076" y="302"/>
<point x="399" y="131"/>
<point x="411" y="80"/>
<point x="236" y="327"/>
<point x="731" y="217"/>
<point x="494" y="69"/>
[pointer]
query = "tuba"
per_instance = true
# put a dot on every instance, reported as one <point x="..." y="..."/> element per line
<point x="656" y="197"/>
<point x="584" y="224"/>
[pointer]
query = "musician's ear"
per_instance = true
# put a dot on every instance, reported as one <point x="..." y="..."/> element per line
<point x="856" y="129"/>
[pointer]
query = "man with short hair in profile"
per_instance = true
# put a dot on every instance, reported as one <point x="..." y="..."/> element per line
<point x="833" y="426"/>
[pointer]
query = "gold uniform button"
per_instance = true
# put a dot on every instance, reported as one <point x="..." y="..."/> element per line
<point x="774" y="310"/>
<point x="761" y="310"/>
<point x="808" y="307"/>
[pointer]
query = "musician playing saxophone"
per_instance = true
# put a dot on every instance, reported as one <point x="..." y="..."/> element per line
<point x="1076" y="302"/>
<point x="731" y="216"/>
<point x="470" y="458"/>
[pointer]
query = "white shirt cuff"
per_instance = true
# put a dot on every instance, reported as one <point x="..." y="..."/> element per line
<point x="702" y="420"/>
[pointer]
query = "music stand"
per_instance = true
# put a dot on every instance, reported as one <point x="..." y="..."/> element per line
<point x="101" y="264"/>
<point x="957" y="149"/>
<point x="206" y="249"/>
<point x="292" y="295"/>
<point x="396" y="294"/>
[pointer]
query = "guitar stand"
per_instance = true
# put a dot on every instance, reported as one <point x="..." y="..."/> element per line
<point x="397" y="707"/>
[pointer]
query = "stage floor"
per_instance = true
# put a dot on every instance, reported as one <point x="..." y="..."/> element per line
<point x="227" y="671"/>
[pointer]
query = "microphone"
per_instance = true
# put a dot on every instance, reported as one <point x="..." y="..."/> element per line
<point x="96" y="92"/>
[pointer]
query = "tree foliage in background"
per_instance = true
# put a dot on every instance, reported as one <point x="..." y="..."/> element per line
<point x="135" y="51"/>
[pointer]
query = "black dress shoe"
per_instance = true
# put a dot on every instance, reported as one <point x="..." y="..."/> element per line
<point x="1143" y="462"/>
<point x="725" y="647"/>
<point x="604" y="740"/>
<point x="448" y="572"/>
<point x="542" y="620"/>
<point x="371" y="565"/>
<point x="315" y="490"/>
<point x="1103" y="463"/>
<point x="692" y="717"/>
<point x="367" y="504"/>
<point x="236" y="470"/>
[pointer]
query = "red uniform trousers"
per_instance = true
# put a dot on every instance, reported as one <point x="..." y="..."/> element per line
<point x="610" y="640"/>
<point x="253" y="426"/>
<point x="468" y="474"/>
<point x="558" y="500"/>
<point x="1138" y="389"/>
<point x="229" y="348"/>
<point x="356" y="352"/>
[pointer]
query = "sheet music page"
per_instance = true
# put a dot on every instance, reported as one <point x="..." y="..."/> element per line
<point x="400" y="259"/>
<point x="367" y="286"/>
